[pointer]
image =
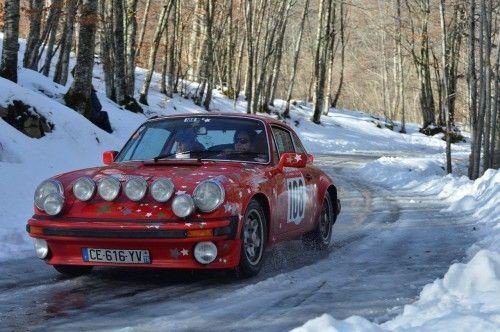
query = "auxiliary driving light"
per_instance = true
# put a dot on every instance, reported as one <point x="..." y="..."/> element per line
<point x="41" y="248"/>
<point x="183" y="205"/>
<point x="205" y="252"/>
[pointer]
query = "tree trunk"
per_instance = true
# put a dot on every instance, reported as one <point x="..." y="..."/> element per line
<point x="172" y="48"/>
<point x="343" y="44"/>
<point x="35" y="18"/>
<point x="49" y="53"/>
<point x="131" y="20"/>
<point x="143" y="27"/>
<point x="62" y="66"/>
<point x="162" y="21"/>
<point x="119" y="54"/>
<point x="8" y="66"/>
<point x="279" y="55"/>
<point x="107" y="47"/>
<point x="487" y="93"/>
<point x="209" y="19"/>
<point x="472" y="87"/>
<point x="250" y="53"/>
<point x="445" y="86"/>
<point x="400" y="66"/>
<point x="319" y="66"/>
<point x="495" y="133"/>
<point x="298" y="45"/>
<point x="78" y="95"/>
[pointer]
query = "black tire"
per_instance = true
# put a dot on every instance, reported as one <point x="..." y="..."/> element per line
<point x="73" y="270"/>
<point x="321" y="237"/>
<point x="253" y="240"/>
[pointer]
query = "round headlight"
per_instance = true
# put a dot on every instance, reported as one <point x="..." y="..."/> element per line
<point x="135" y="189"/>
<point x="46" y="188"/>
<point x="208" y="196"/>
<point x="183" y="205"/>
<point x="53" y="204"/>
<point x="162" y="189"/>
<point x="205" y="252"/>
<point x="109" y="188"/>
<point x="84" y="188"/>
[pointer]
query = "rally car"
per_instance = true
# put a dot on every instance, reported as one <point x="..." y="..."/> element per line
<point x="207" y="191"/>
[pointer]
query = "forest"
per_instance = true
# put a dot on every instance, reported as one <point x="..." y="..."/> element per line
<point x="436" y="63"/>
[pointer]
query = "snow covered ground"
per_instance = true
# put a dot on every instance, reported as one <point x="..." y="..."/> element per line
<point x="467" y="296"/>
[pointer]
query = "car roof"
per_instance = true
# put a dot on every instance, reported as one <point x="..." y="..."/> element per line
<point x="265" y="119"/>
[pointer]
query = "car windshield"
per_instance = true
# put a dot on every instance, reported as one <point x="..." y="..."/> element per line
<point x="198" y="137"/>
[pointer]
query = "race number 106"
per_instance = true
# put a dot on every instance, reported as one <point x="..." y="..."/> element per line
<point x="296" y="199"/>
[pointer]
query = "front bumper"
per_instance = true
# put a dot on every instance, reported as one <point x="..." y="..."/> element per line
<point x="170" y="244"/>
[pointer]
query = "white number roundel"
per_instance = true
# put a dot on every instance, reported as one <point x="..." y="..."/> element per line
<point x="296" y="199"/>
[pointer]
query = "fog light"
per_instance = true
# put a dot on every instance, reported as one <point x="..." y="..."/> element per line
<point x="205" y="252"/>
<point x="41" y="248"/>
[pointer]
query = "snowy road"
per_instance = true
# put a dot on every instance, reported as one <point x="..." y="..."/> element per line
<point x="388" y="244"/>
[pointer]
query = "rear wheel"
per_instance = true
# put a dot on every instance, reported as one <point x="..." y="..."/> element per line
<point x="73" y="270"/>
<point x="321" y="237"/>
<point x="253" y="240"/>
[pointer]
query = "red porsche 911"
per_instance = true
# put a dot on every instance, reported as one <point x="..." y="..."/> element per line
<point x="204" y="191"/>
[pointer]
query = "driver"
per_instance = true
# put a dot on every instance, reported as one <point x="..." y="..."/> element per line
<point x="243" y="140"/>
<point x="186" y="142"/>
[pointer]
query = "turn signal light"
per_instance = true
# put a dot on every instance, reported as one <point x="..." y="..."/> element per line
<point x="35" y="230"/>
<point x="200" y="233"/>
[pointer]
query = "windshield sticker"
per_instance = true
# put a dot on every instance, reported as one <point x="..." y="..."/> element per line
<point x="197" y="119"/>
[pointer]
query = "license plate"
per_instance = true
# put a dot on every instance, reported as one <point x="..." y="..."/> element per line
<point x="123" y="256"/>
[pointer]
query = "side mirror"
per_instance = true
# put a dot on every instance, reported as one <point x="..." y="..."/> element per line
<point x="291" y="159"/>
<point x="108" y="157"/>
<point x="310" y="159"/>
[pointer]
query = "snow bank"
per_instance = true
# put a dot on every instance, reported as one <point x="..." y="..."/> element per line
<point x="24" y="162"/>
<point x="467" y="298"/>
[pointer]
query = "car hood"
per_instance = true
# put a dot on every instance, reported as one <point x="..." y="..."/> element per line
<point x="236" y="178"/>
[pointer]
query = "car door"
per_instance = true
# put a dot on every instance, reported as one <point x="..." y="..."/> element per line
<point x="291" y="185"/>
<point x="311" y="176"/>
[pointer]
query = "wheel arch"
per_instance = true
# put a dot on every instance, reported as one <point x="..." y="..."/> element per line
<point x="264" y="202"/>
<point x="332" y="192"/>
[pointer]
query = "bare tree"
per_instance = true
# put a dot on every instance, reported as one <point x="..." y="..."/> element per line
<point x="445" y="85"/>
<point x="78" y="95"/>
<point x="119" y="52"/>
<point x="209" y="19"/>
<point x="162" y="22"/>
<point x="131" y="31"/>
<point x="107" y="46"/>
<point x="298" y="47"/>
<point x="62" y="66"/>
<point x="49" y="50"/>
<point x="400" y="86"/>
<point x="343" y="45"/>
<point x="322" y="33"/>
<point x="8" y="66"/>
<point x="35" y="18"/>
<point x="143" y="27"/>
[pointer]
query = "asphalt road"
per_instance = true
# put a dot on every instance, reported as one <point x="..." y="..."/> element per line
<point x="388" y="244"/>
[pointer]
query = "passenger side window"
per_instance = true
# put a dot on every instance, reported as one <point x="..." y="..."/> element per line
<point x="283" y="140"/>
<point x="299" y="148"/>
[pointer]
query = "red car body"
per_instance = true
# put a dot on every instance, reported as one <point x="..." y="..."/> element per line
<point x="169" y="240"/>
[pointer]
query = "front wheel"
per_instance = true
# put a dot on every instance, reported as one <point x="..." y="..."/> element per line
<point x="73" y="270"/>
<point x="253" y="240"/>
<point x="321" y="237"/>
